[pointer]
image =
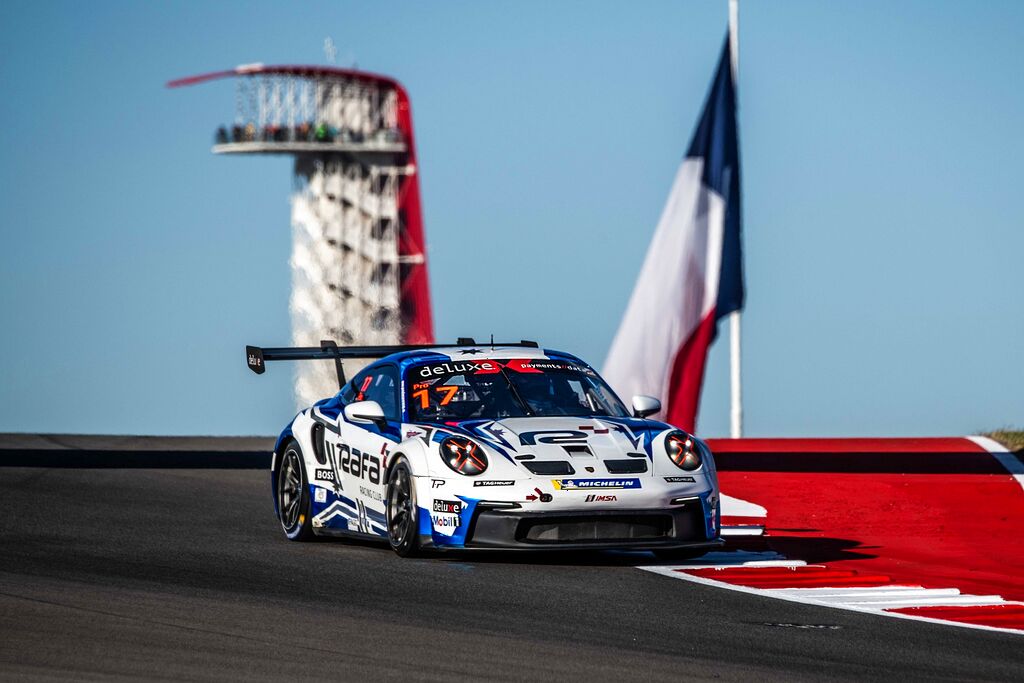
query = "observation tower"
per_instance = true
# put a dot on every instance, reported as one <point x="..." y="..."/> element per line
<point x="359" y="269"/>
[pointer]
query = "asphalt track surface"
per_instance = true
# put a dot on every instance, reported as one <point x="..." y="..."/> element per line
<point x="183" y="573"/>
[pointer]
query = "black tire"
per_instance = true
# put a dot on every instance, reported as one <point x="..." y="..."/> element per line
<point x="293" y="495"/>
<point x="680" y="554"/>
<point x="402" y="512"/>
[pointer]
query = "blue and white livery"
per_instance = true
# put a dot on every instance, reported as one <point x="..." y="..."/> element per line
<point x="488" y="446"/>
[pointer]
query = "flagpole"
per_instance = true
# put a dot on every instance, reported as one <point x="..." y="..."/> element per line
<point x="735" y="385"/>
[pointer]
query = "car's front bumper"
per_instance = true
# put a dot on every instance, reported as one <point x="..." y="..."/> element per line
<point x="682" y="526"/>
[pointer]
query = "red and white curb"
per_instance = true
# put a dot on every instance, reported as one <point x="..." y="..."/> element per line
<point x="742" y="518"/>
<point x="770" y="575"/>
<point x="864" y="589"/>
<point x="1006" y="458"/>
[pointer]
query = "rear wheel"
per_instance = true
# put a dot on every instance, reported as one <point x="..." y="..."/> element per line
<point x="293" y="496"/>
<point x="402" y="512"/>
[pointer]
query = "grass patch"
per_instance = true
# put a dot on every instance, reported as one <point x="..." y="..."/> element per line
<point x="1013" y="439"/>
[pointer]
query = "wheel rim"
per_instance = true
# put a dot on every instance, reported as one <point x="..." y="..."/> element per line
<point x="289" y="490"/>
<point x="400" y="506"/>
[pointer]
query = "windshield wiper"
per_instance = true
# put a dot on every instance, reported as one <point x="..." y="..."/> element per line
<point x="515" y="394"/>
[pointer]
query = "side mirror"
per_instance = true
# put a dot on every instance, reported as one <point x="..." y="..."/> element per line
<point x="365" y="412"/>
<point x="645" y="405"/>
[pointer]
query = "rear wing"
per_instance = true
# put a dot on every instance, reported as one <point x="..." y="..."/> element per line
<point x="257" y="357"/>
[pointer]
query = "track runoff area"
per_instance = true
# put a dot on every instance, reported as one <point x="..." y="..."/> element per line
<point x="847" y="559"/>
<point x="926" y="529"/>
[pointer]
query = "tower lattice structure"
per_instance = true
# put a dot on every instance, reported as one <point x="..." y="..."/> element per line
<point x="359" y="271"/>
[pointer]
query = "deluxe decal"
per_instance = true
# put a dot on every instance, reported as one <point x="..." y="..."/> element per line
<point x="448" y="507"/>
<point x="680" y="480"/>
<point x="446" y="516"/>
<point x="490" y="366"/>
<point x="494" y="482"/>
<point x="458" y="368"/>
<point x="320" y="496"/>
<point x="591" y="484"/>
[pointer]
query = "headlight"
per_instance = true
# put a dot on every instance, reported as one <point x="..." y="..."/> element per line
<point x="463" y="456"/>
<point x="682" y="449"/>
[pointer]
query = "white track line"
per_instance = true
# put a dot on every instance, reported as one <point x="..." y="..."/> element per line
<point x="743" y="530"/>
<point x="869" y="600"/>
<point x="1004" y="456"/>
<point x="780" y="595"/>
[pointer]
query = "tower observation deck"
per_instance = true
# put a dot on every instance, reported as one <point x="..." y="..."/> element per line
<point x="359" y="271"/>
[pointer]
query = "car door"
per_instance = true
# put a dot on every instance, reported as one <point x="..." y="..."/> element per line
<point x="363" y="459"/>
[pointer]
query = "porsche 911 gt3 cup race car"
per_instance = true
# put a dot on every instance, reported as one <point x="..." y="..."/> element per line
<point x="472" y="446"/>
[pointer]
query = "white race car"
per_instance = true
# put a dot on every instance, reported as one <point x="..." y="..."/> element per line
<point x="473" y="446"/>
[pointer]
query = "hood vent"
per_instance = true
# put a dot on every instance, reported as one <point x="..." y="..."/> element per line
<point x="579" y="451"/>
<point x="549" y="467"/>
<point x="626" y="466"/>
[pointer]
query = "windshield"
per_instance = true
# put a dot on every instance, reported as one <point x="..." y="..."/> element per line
<point x="495" y="389"/>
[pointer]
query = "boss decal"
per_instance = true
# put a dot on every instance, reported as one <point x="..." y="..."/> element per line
<point x="448" y="507"/>
<point x="323" y="474"/>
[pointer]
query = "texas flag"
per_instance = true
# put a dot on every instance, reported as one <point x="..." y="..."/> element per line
<point x="693" y="273"/>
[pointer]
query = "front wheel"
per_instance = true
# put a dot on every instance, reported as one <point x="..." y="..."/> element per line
<point x="293" y="496"/>
<point x="402" y="513"/>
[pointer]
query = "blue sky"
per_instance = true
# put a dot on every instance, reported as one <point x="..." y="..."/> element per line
<point x="881" y="145"/>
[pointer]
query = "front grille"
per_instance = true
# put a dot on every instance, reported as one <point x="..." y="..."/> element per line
<point x="549" y="467"/>
<point x="583" y="529"/>
<point x="631" y="466"/>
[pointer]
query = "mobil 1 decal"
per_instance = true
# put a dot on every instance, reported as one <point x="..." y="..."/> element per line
<point x="445" y="516"/>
